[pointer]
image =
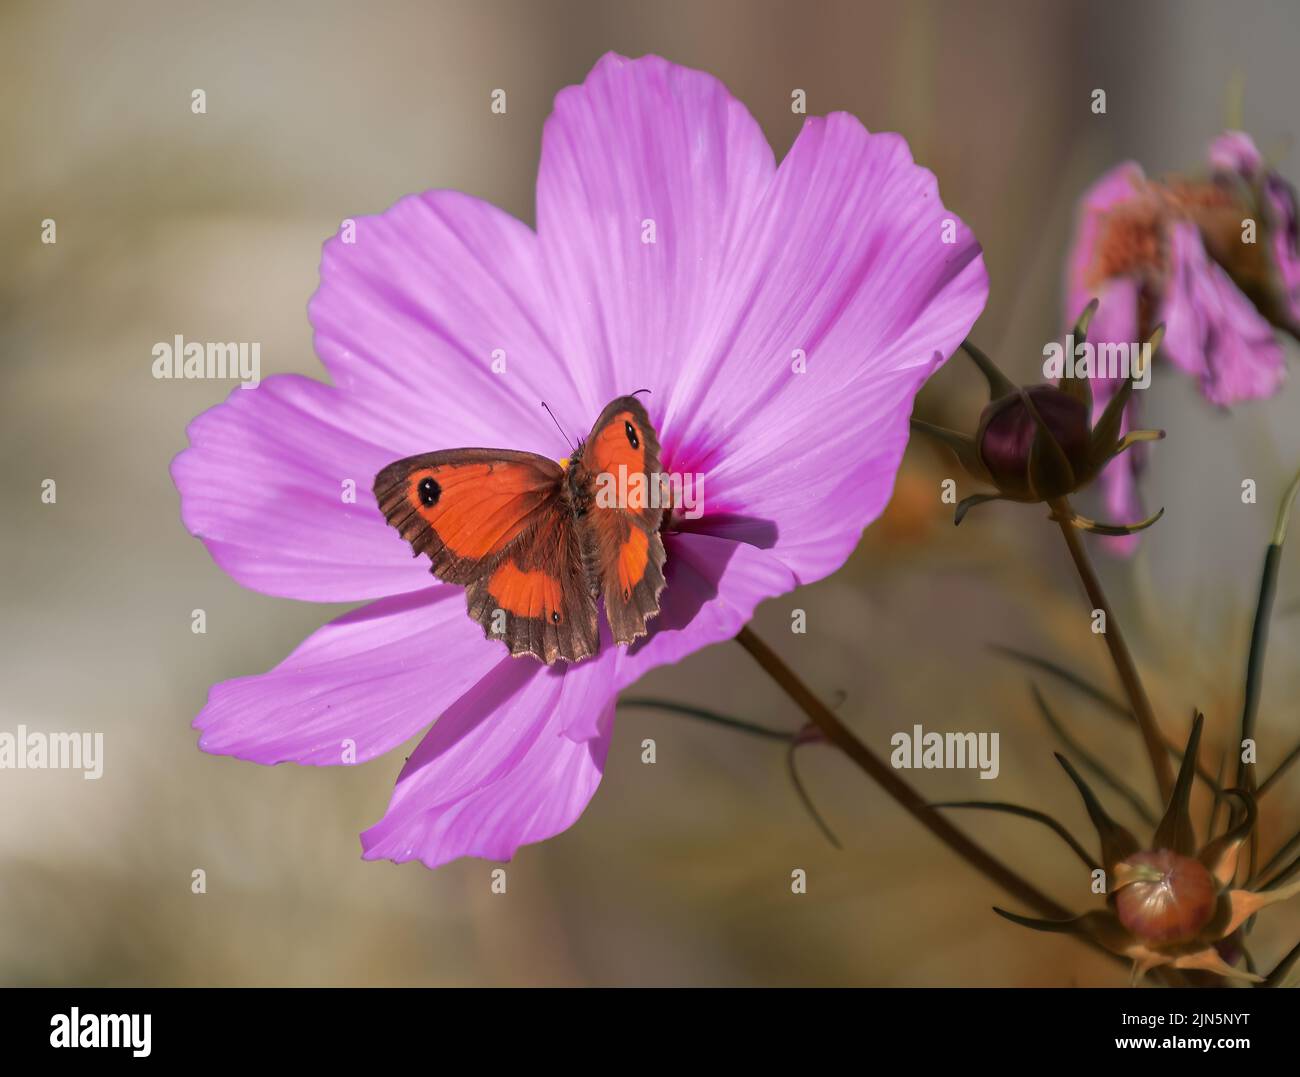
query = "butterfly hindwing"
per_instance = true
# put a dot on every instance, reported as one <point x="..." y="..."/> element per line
<point x="536" y="597"/>
<point x="496" y="522"/>
<point x="626" y="551"/>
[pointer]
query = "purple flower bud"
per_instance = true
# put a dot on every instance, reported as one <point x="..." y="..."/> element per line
<point x="1007" y="436"/>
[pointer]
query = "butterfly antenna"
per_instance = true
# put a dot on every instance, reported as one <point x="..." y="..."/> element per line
<point x="558" y="426"/>
<point x="639" y="391"/>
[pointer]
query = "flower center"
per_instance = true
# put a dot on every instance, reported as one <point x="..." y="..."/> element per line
<point x="1129" y="243"/>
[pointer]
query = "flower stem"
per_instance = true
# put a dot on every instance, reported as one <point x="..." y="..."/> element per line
<point x="887" y="778"/>
<point x="1119" y="652"/>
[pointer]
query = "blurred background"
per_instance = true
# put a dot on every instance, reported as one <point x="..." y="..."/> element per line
<point x="210" y="226"/>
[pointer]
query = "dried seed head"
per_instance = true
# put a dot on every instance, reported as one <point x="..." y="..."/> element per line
<point x="1164" y="898"/>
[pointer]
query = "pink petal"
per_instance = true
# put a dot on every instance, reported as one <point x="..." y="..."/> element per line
<point x="1235" y="151"/>
<point x="646" y="141"/>
<point x="714" y="585"/>
<point x="1215" y="332"/>
<point x="858" y="276"/>
<point x="496" y="770"/>
<point x="1119" y="481"/>
<point x="1118" y="185"/>
<point x="373" y="677"/>
<point x="840" y="253"/>
<point x="410" y="318"/>
<point x="263" y="485"/>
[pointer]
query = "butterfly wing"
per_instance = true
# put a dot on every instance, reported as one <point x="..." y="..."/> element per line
<point x="625" y="548"/>
<point x="495" y="522"/>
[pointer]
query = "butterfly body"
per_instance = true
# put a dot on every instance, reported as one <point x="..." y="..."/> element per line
<point x="535" y="543"/>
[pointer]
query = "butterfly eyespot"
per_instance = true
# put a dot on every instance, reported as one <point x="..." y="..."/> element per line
<point x="555" y="617"/>
<point x="626" y="594"/>
<point x="429" y="492"/>
<point x="632" y="439"/>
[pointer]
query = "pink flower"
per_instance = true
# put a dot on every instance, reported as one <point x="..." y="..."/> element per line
<point x="844" y="254"/>
<point x="1277" y="291"/>
<point x="1172" y="252"/>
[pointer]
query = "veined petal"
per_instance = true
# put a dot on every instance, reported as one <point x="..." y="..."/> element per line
<point x="714" y="586"/>
<point x="869" y="283"/>
<point x="413" y="315"/>
<point x="373" y="678"/>
<point x="264" y="485"/>
<point x="1084" y="277"/>
<point x="496" y="771"/>
<point x="1214" y="332"/>
<point x="844" y="256"/>
<point x="649" y="176"/>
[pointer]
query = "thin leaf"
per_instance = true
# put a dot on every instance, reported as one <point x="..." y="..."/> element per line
<point x="1075" y="926"/>
<point x="1283" y="875"/>
<point x="796" y="743"/>
<point x="1090" y="761"/>
<point x="1278" y="976"/>
<point x="1110" y="703"/>
<point x="1120" y="710"/>
<point x="704" y="715"/>
<point x="1259" y="630"/>
<point x="1027" y="813"/>
<point x="1279" y="770"/>
<point x="1286" y="848"/>
<point x="968" y="503"/>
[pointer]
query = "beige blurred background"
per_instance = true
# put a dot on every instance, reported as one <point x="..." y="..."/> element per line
<point x="210" y="226"/>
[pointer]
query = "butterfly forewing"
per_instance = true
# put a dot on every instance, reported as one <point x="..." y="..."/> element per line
<point x="627" y="554"/>
<point x="496" y="522"/>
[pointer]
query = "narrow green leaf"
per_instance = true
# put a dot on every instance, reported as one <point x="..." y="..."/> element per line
<point x="1091" y="761"/>
<point x="1278" y="976"/>
<point x="967" y="503"/>
<point x="703" y="715"/>
<point x="795" y="744"/>
<point x="1027" y="813"/>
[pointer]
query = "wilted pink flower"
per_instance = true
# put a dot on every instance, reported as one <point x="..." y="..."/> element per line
<point x="671" y="253"/>
<point x="1177" y="252"/>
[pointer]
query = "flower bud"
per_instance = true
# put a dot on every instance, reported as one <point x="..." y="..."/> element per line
<point x="1164" y="898"/>
<point x="1008" y="432"/>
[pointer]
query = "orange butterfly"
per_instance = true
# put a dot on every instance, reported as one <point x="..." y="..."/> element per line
<point x="530" y="540"/>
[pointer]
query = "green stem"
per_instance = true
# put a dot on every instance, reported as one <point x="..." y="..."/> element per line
<point x="838" y="734"/>
<point x="1119" y="652"/>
